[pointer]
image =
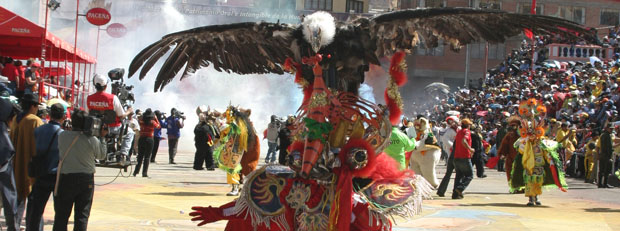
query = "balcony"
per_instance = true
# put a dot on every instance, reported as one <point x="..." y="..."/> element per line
<point x="567" y="52"/>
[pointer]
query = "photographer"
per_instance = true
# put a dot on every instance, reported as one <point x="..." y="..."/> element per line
<point x="102" y="101"/>
<point x="148" y="124"/>
<point x="175" y="123"/>
<point x="272" y="139"/>
<point x="161" y="117"/>
<point x="75" y="182"/>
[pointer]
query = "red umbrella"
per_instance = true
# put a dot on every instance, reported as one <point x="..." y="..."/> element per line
<point x="482" y="113"/>
<point x="559" y="96"/>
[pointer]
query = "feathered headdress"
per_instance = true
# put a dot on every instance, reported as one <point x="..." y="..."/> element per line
<point x="532" y="114"/>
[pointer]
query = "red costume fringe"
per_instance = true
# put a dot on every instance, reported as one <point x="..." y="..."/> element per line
<point x="289" y="64"/>
<point x="398" y="75"/>
<point x="393" y="108"/>
<point x="387" y="168"/>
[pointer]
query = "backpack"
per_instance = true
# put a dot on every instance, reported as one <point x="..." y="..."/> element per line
<point x="37" y="166"/>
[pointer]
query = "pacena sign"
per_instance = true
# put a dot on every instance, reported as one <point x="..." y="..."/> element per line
<point x="98" y="16"/>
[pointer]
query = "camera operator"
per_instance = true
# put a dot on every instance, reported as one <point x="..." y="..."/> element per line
<point x="75" y="182"/>
<point x="175" y="123"/>
<point x="161" y="118"/>
<point x="102" y="101"/>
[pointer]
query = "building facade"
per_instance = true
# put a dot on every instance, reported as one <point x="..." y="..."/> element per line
<point x="443" y="65"/>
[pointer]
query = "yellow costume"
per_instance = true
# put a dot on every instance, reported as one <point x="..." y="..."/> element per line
<point x="590" y="159"/>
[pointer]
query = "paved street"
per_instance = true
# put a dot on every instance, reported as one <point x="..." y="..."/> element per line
<point x="163" y="201"/>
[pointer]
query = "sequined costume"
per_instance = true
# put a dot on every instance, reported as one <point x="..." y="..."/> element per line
<point x="538" y="164"/>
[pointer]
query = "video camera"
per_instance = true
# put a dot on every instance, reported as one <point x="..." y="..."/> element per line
<point x="122" y="91"/>
<point x="179" y="114"/>
<point x="93" y="126"/>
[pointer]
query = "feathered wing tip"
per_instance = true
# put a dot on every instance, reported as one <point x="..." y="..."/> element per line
<point x="393" y="108"/>
<point x="398" y="67"/>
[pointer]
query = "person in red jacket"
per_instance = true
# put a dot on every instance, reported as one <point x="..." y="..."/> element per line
<point x="148" y="124"/>
<point x="12" y="73"/>
<point x="462" y="160"/>
<point x="102" y="102"/>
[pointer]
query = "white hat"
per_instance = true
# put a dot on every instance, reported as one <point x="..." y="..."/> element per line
<point x="100" y="79"/>
<point x="454" y="118"/>
<point x="4" y="79"/>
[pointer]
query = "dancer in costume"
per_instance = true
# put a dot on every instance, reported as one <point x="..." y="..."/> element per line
<point x="538" y="164"/>
<point x="427" y="152"/>
<point x="339" y="178"/>
<point x="238" y="148"/>
<point x="400" y="144"/>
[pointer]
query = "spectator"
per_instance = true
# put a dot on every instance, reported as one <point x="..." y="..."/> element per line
<point x="22" y="136"/>
<point x="11" y="71"/>
<point x="32" y="79"/>
<point x="46" y="137"/>
<point x="7" y="175"/>
<point x="75" y="181"/>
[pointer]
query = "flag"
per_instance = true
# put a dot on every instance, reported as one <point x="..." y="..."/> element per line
<point x="528" y="33"/>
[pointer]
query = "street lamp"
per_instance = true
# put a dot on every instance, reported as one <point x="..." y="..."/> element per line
<point x="53" y="4"/>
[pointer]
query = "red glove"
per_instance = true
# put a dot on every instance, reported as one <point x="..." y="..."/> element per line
<point x="206" y="214"/>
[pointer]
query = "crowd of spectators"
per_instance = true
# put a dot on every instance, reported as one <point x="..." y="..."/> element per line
<point x="582" y="96"/>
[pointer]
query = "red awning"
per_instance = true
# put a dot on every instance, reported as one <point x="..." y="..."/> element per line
<point x="58" y="71"/>
<point x="22" y="39"/>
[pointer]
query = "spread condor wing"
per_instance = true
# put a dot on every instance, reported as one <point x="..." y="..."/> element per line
<point x="403" y="30"/>
<point x="243" y="48"/>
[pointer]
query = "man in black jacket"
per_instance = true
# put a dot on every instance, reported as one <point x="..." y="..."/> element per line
<point x="284" y="135"/>
<point x="478" y="157"/>
<point x="605" y="157"/>
<point x="7" y="177"/>
<point x="205" y="134"/>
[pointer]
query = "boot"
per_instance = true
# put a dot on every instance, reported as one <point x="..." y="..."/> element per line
<point x="531" y="202"/>
<point x="600" y="180"/>
<point x="605" y="183"/>
<point x="234" y="191"/>
<point x="537" y="201"/>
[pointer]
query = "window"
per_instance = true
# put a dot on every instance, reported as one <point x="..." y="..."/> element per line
<point x="318" y="5"/>
<point x="406" y="4"/>
<point x="610" y="17"/>
<point x="575" y="14"/>
<point x="354" y="6"/>
<point x="432" y="3"/>
<point x="423" y="51"/>
<point x="496" y="51"/>
<point x="489" y="4"/>
<point x="526" y="8"/>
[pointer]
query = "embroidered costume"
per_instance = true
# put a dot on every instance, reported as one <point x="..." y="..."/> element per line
<point x="538" y="164"/>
